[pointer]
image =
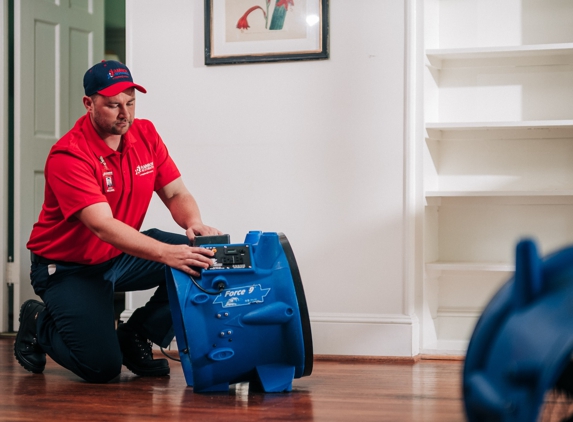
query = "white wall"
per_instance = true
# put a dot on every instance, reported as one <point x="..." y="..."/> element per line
<point x="313" y="149"/>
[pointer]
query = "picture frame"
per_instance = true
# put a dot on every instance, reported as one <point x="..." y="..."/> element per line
<point x="255" y="31"/>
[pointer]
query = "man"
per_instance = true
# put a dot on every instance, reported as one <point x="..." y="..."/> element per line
<point x="86" y="245"/>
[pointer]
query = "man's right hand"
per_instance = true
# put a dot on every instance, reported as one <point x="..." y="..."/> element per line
<point x="184" y="258"/>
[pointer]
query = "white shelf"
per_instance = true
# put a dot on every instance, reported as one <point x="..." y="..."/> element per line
<point x="530" y="129"/>
<point x="528" y="125"/>
<point x="437" y="198"/>
<point x="541" y="53"/>
<point x="470" y="266"/>
<point x="564" y="49"/>
<point x="520" y="193"/>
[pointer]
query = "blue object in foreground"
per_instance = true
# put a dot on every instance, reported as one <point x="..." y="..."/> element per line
<point x="522" y="343"/>
<point x="245" y="319"/>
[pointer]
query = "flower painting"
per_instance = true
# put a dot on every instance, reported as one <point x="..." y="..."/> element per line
<point x="243" y="23"/>
<point x="278" y="19"/>
<point x="241" y="31"/>
<point x="258" y="20"/>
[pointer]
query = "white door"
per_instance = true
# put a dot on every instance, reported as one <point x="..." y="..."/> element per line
<point x="55" y="42"/>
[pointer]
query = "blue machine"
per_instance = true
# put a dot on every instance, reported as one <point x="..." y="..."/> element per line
<point x="245" y="319"/>
<point x="523" y="342"/>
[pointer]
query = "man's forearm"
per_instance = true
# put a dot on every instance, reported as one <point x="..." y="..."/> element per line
<point x="128" y="240"/>
<point x="184" y="210"/>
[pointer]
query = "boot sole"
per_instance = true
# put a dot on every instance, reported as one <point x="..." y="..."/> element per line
<point x="158" y="372"/>
<point x="27" y="365"/>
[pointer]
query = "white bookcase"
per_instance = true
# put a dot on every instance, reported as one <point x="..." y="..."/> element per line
<point x="498" y="150"/>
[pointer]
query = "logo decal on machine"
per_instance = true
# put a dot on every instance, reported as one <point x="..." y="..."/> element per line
<point x="241" y="296"/>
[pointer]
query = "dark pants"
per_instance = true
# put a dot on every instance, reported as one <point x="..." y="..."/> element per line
<point x="77" y="329"/>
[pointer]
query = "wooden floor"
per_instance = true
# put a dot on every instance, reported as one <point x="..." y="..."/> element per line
<point x="336" y="391"/>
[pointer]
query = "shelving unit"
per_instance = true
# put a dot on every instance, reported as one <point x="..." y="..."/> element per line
<point x="498" y="151"/>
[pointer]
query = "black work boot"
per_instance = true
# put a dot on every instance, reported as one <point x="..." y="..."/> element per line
<point x="28" y="352"/>
<point x="137" y="354"/>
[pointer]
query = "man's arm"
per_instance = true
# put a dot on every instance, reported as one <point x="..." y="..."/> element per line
<point x="184" y="209"/>
<point x="99" y="219"/>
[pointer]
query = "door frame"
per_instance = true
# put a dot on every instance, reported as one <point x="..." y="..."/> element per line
<point x="5" y="238"/>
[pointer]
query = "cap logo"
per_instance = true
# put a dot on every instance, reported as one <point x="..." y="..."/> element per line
<point x="117" y="73"/>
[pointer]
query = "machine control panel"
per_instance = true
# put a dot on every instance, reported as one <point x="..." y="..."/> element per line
<point x="230" y="257"/>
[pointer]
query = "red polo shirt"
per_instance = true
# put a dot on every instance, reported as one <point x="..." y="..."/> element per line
<point x="82" y="170"/>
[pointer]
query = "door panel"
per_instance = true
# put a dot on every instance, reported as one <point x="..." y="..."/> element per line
<point x="45" y="81"/>
<point x="84" y="5"/>
<point x="80" y="60"/>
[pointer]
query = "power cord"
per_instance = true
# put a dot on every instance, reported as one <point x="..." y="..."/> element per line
<point x="167" y="356"/>
<point x="220" y="286"/>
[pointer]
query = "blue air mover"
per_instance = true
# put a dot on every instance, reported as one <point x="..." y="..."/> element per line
<point x="522" y="345"/>
<point x="245" y="319"/>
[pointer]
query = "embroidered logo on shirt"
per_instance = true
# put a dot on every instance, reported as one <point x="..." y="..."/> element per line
<point x="144" y="169"/>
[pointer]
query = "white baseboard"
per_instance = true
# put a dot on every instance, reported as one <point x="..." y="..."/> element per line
<point x="364" y="334"/>
<point x="357" y="334"/>
<point x="124" y="316"/>
<point x="447" y="348"/>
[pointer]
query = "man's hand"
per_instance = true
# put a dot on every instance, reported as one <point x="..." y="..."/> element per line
<point x="201" y="230"/>
<point x="183" y="258"/>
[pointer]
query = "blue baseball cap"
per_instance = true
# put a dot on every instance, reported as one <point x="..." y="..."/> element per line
<point x="109" y="78"/>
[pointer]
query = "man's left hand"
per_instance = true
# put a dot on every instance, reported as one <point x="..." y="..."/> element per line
<point x="201" y="230"/>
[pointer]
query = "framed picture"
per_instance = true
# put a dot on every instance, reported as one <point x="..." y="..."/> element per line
<point x="248" y="31"/>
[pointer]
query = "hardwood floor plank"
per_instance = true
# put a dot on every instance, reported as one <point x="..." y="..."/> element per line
<point x="350" y="390"/>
